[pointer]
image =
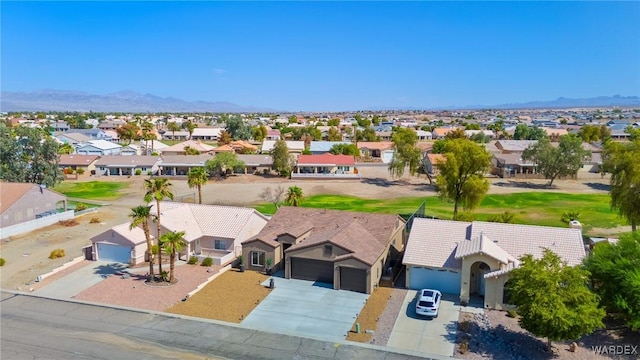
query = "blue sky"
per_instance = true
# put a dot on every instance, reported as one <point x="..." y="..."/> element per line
<point x="325" y="56"/>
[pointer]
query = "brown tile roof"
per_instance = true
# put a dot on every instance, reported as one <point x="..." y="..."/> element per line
<point x="375" y="145"/>
<point x="364" y="235"/>
<point x="196" y="145"/>
<point x="436" y="159"/>
<point x="77" y="160"/>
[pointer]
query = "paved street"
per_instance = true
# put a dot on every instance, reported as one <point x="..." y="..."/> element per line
<point x="34" y="327"/>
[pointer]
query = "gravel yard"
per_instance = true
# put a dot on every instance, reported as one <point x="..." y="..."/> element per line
<point x="230" y="297"/>
<point x="133" y="292"/>
<point x="494" y="335"/>
<point x="379" y="314"/>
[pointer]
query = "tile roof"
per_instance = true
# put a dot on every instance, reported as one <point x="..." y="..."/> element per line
<point x="435" y="159"/>
<point x="128" y="161"/>
<point x="434" y="242"/>
<point x="318" y="146"/>
<point x="256" y="160"/>
<point x="326" y="159"/>
<point x="77" y="137"/>
<point x="223" y="148"/>
<point x="77" y="160"/>
<point x="292" y="145"/>
<point x="101" y="144"/>
<point x="133" y="236"/>
<point x="10" y="193"/>
<point x="197" y="145"/>
<point x="364" y="235"/>
<point x="514" y="145"/>
<point x="198" y="220"/>
<point x="375" y="145"/>
<point x="185" y="160"/>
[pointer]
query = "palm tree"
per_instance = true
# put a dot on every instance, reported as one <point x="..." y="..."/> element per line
<point x="189" y="126"/>
<point x="158" y="189"/>
<point x="173" y="242"/>
<point x="140" y="215"/>
<point x="197" y="177"/>
<point x="173" y="127"/>
<point x="66" y="148"/>
<point x="294" y="196"/>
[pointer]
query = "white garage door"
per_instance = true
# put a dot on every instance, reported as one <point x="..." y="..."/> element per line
<point x="447" y="281"/>
<point x="387" y="156"/>
<point x="115" y="253"/>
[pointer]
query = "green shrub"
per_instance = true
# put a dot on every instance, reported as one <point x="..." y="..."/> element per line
<point x="81" y="206"/>
<point x="138" y="171"/>
<point x="2" y="261"/>
<point x="95" y="220"/>
<point x="512" y="313"/>
<point x="207" y="262"/>
<point x="193" y="260"/>
<point x="80" y="171"/>
<point x="465" y="216"/>
<point x="506" y="218"/>
<point x="571" y="215"/>
<point x="57" y="253"/>
<point x="149" y="172"/>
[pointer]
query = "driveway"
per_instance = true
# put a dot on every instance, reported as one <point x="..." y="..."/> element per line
<point x="424" y="334"/>
<point x="308" y="309"/>
<point x="80" y="280"/>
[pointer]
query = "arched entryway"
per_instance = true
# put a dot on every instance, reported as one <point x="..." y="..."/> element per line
<point x="477" y="285"/>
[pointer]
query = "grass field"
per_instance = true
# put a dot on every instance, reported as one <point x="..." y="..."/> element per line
<point x="532" y="208"/>
<point x="92" y="190"/>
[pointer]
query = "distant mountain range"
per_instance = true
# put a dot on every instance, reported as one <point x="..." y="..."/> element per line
<point x="130" y="101"/>
<point x="123" y="101"/>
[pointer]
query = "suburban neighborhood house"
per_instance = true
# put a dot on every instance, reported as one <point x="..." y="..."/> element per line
<point x="325" y="165"/>
<point x="210" y="230"/>
<point x="120" y="244"/>
<point x="347" y="249"/>
<point x="22" y="202"/>
<point x="474" y="259"/>
<point x="127" y="165"/>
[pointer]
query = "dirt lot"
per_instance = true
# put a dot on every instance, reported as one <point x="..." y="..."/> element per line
<point x="27" y="255"/>
<point x="230" y="297"/>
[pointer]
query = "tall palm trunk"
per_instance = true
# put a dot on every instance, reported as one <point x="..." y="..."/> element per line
<point x="149" y="251"/>
<point x="159" y="243"/>
<point x="199" y="194"/>
<point x="172" y="264"/>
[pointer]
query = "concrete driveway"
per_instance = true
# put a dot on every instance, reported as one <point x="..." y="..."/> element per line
<point x="424" y="334"/>
<point x="308" y="309"/>
<point x="74" y="283"/>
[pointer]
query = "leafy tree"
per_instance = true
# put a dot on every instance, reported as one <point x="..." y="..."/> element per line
<point x="553" y="299"/>
<point x="223" y="162"/>
<point x="157" y="189"/>
<point x="472" y="126"/>
<point x="127" y="132"/>
<point x="197" y="177"/>
<point x="333" y="122"/>
<point x="173" y="127"/>
<point x="29" y="155"/>
<point x="273" y="196"/>
<point x="294" y="196"/>
<point x="66" y="148"/>
<point x="524" y="132"/>
<point x="301" y="132"/>
<point x="282" y="161"/>
<point x="456" y="134"/>
<point x="190" y="127"/>
<point x="238" y="129"/>
<point x="259" y="132"/>
<point x="405" y="152"/>
<point x="367" y="134"/>
<point x="461" y="177"/>
<point x="615" y="272"/>
<point x="344" y="149"/>
<point x="634" y="133"/>
<point x="375" y="120"/>
<point x="334" y="134"/>
<point x="224" y="138"/>
<point x="172" y="241"/>
<point x="563" y="160"/>
<point x="140" y="215"/>
<point x="480" y="138"/>
<point x="621" y="160"/>
<point x="292" y="119"/>
<point x="362" y="122"/>
<point x="188" y="150"/>
<point x="592" y="133"/>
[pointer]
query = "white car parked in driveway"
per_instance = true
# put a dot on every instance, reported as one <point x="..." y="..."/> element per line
<point x="428" y="302"/>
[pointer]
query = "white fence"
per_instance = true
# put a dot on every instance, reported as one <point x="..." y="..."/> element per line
<point x="60" y="268"/>
<point x="27" y="226"/>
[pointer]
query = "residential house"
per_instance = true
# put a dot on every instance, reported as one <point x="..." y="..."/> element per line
<point x="441" y="132"/>
<point x="211" y="230"/>
<point x="349" y="250"/>
<point x="117" y="165"/>
<point x="82" y="163"/>
<point x="487" y="133"/>
<point x="376" y="150"/>
<point x="131" y="149"/>
<point x="22" y="202"/>
<point x="180" y="148"/>
<point x="223" y="148"/>
<point x="98" y="147"/>
<point x="431" y="162"/>
<point x="111" y="124"/>
<point x="273" y="134"/>
<point x="384" y="135"/>
<point x="256" y="164"/>
<point x="327" y="166"/>
<point x="205" y="134"/>
<point x="72" y="138"/>
<point x="507" y="159"/>
<point x="59" y="126"/>
<point x="179" y="165"/>
<point x="180" y="135"/>
<point x="243" y="147"/>
<point x="424" y="135"/>
<point x="474" y="259"/>
<point x="295" y="147"/>
<point x="121" y="244"/>
<point x="323" y="147"/>
<point x="93" y="134"/>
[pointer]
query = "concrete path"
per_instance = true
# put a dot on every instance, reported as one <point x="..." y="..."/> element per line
<point x="80" y="280"/>
<point x="305" y="308"/>
<point x="424" y="334"/>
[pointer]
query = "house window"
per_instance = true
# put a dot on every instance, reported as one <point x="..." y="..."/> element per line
<point x="328" y="249"/>
<point x="220" y="245"/>
<point x="257" y="258"/>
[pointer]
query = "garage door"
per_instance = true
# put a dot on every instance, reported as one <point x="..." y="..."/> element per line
<point x="115" y="253"/>
<point x="447" y="281"/>
<point x="314" y="270"/>
<point x="353" y="279"/>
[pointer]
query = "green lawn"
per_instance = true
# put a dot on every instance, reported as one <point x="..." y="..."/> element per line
<point x="92" y="190"/>
<point x="532" y="208"/>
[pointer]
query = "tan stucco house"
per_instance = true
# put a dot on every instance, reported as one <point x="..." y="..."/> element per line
<point x="121" y="244"/>
<point x="347" y="249"/>
<point x="474" y="259"/>
<point x="22" y="202"/>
